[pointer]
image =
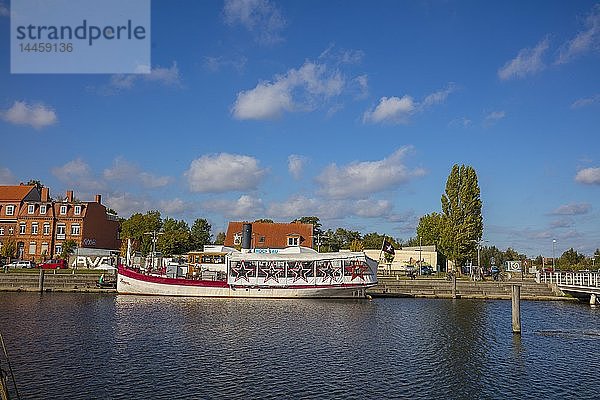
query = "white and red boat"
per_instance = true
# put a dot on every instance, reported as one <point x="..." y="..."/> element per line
<point x="284" y="273"/>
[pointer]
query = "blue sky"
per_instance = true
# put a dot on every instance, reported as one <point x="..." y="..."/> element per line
<point x="352" y="111"/>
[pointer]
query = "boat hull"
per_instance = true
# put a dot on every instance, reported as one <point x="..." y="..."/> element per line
<point x="131" y="282"/>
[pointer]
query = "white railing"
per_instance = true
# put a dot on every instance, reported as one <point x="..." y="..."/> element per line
<point x="583" y="279"/>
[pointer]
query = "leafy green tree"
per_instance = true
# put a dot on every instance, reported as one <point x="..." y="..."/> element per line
<point x="220" y="239"/>
<point x="356" y="245"/>
<point x="318" y="234"/>
<point x="68" y="247"/>
<point x="174" y="238"/>
<point x="9" y="248"/>
<point x="461" y="213"/>
<point x="430" y="229"/>
<point x="136" y="228"/>
<point x="265" y="221"/>
<point x="375" y="240"/>
<point x="200" y="234"/>
<point x="571" y="260"/>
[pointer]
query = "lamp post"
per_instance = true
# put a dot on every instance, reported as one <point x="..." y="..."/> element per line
<point x="553" y="258"/>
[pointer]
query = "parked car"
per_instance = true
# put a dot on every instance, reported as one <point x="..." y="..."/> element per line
<point x="21" y="264"/>
<point x="54" y="264"/>
<point x="426" y="270"/>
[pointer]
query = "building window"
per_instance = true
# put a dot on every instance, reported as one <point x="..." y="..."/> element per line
<point x="22" y="228"/>
<point x="32" y="248"/>
<point x="46" y="228"/>
<point x="10" y="209"/>
<point x="43" y="209"/>
<point x="30" y="208"/>
<point x="77" y="210"/>
<point x="44" y="249"/>
<point x="75" y="229"/>
<point x="63" y="210"/>
<point x="11" y="230"/>
<point x="1" y="231"/>
<point x="34" y="228"/>
<point x="261" y="239"/>
<point x="293" y="240"/>
<point x="58" y="249"/>
<point x="61" y="231"/>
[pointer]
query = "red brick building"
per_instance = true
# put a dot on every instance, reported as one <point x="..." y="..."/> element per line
<point x="40" y="225"/>
<point x="266" y="235"/>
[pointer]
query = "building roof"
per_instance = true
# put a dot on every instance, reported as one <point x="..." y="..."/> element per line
<point x="271" y="235"/>
<point x="15" y="193"/>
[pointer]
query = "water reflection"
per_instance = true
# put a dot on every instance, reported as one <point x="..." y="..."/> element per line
<point x="81" y="346"/>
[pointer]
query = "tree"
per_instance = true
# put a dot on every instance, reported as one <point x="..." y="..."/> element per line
<point x="136" y="227"/>
<point x="200" y="234"/>
<point x="318" y="234"/>
<point x="430" y="229"/>
<point x="68" y="247"/>
<point x="175" y="238"/>
<point x="220" y="239"/>
<point x="571" y="260"/>
<point x="356" y="245"/>
<point x="462" y="226"/>
<point x="265" y="221"/>
<point x="375" y="240"/>
<point x="9" y="248"/>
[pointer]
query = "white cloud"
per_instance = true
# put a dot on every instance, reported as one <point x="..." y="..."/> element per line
<point x="122" y="170"/>
<point x="260" y="17"/>
<point x="296" y="165"/>
<point x="245" y="207"/>
<point x="174" y="206"/>
<point x="38" y="115"/>
<point x="126" y="204"/>
<point x="360" y="179"/>
<point x="527" y="62"/>
<point x="587" y="101"/>
<point x="164" y="76"/>
<point x="6" y="177"/>
<point x="572" y="209"/>
<point x="588" y="176"/>
<point x="4" y="11"/>
<point x="585" y="41"/>
<point x="391" y="109"/>
<point x="299" y="89"/>
<point x="224" y="172"/>
<point x="215" y="64"/>
<point x="493" y="117"/>
<point x="78" y="173"/>
<point x="372" y="208"/>
<point x="328" y="209"/>
<point x="398" y="110"/>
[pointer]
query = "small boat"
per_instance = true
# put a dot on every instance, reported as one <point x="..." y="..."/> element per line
<point x="277" y="273"/>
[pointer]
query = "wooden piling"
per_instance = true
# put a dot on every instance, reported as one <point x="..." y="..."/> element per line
<point x="41" y="281"/>
<point x="516" y="309"/>
<point x="593" y="299"/>
<point x="454" y="286"/>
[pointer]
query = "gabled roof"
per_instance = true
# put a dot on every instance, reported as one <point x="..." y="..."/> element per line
<point x="15" y="193"/>
<point x="272" y="235"/>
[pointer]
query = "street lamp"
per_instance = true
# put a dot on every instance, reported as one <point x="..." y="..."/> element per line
<point x="553" y="258"/>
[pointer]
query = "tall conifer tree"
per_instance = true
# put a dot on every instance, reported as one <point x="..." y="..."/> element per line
<point x="461" y="214"/>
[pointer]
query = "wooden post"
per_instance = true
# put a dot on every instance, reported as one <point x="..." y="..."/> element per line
<point x="593" y="299"/>
<point x="454" y="285"/>
<point x="516" y="309"/>
<point x="41" y="280"/>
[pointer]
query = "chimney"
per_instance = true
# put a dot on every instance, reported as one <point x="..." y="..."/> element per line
<point x="99" y="198"/>
<point x="69" y="196"/>
<point x="246" y="237"/>
<point x="45" y="194"/>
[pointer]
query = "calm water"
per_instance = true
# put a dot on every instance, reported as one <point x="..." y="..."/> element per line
<point x="86" y="346"/>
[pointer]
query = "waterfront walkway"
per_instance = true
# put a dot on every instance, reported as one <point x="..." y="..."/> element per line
<point x="466" y="289"/>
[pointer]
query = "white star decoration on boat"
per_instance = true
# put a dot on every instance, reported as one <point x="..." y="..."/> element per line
<point x="242" y="270"/>
<point x="328" y="271"/>
<point x="300" y="272"/>
<point x="272" y="272"/>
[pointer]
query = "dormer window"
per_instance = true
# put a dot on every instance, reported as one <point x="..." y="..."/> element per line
<point x="30" y="208"/>
<point x="10" y="209"/>
<point x="237" y="238"/>
<point x="63" y="210"/>
<point x="293" y="240"/>
<point x="43" y="209"/>
<point x="77" y="210"/>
